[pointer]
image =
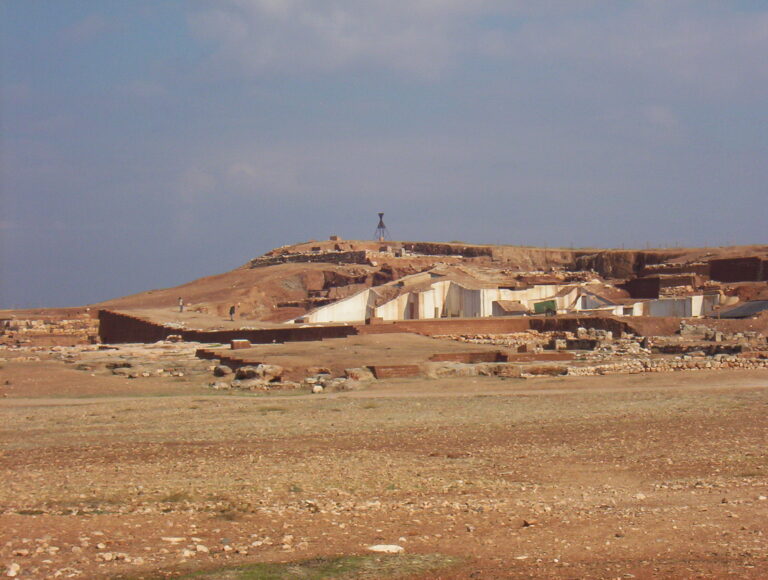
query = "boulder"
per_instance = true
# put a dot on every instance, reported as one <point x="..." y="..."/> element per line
<point x="270" y="373"/>
<point x="221" y="371"/>
<point x="359" y="374"/>
<point x="247" y="372"/>
<point x="338" y="384"/>
<point x="118" y="365"/>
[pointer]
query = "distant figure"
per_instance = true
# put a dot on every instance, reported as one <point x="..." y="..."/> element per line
<point x="231" y="312"/>
<point x="181" y="304"/>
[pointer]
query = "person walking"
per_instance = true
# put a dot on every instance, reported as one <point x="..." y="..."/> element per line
<point x="232" y="312"/>
<point x="181" y="304"/>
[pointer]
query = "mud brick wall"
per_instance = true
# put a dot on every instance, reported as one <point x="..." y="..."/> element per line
<point x="117" y="327"/>
<point x="650" y="287"/>
<point x="506" y="325"/>
<point x="739" y="270"/>
<point x="352" y="257"/>
<point x="639" y="325"/>
<point x="395" y="371"/>
<point x="679" y="280"/>
<point x="433" y="249"/>
<point x="432" y="327"/>
<point x="643" y="287"/>
<point x="470" y="357"/>
<point x="698" y="268"/>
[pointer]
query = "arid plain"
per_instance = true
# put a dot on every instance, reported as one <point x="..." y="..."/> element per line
<point x="662" y="475"/>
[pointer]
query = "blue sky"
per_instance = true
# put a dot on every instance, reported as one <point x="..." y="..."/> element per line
<point x="144" y="144"/>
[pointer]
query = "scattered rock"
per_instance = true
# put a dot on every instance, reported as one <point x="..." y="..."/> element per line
<point x="249" y="384"/>
<point x="387" y="548"/>
<point x="359" y="374"/>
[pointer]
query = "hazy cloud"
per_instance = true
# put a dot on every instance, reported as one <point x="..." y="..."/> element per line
<point x="85" y="29"/>
<point x="676" y="44"/>
<point x="422" y="37"/>
<point x="196" y="135"/>
<point x="144" y="89"/>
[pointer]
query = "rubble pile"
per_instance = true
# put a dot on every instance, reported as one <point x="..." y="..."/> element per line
<point x="682" y="363"/>
<point x="529" y="341"/>
<point x="38" y="331"/>
<point x="270" y="377"/>
<point x="597" y="352"/>
<point x="261" y="377"/>
<point x="169" y="358"/>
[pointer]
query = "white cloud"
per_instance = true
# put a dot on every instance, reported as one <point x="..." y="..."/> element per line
<point x="291" y="36"/>
<point x="667" y="46"/>
<point x="710" y="46"/>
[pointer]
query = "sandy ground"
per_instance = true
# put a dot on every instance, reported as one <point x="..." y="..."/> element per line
<point x="337" y="354"/>
<point x="608" y="477"/>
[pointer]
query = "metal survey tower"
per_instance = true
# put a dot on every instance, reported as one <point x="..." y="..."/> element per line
<point x="382" y="234"/>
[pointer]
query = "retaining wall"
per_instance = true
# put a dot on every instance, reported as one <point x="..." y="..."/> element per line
<point x="118" y="327"/>
<point x="433" y="327"/>
<point x="750" y="269"/>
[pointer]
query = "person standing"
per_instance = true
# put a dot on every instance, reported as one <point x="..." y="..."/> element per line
<point x="232" y="312"/>
<point x="181" y="304"/>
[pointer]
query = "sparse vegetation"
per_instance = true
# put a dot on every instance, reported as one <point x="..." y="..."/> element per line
<point x="369" y="567"/>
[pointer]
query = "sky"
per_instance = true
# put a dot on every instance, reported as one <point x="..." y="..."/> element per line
<point x="144" y="144"/>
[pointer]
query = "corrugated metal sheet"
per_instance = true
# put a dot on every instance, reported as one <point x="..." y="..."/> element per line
<point x="751" y="308"/>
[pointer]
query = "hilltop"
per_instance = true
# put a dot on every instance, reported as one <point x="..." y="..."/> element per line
<point x="289" y="281"/>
